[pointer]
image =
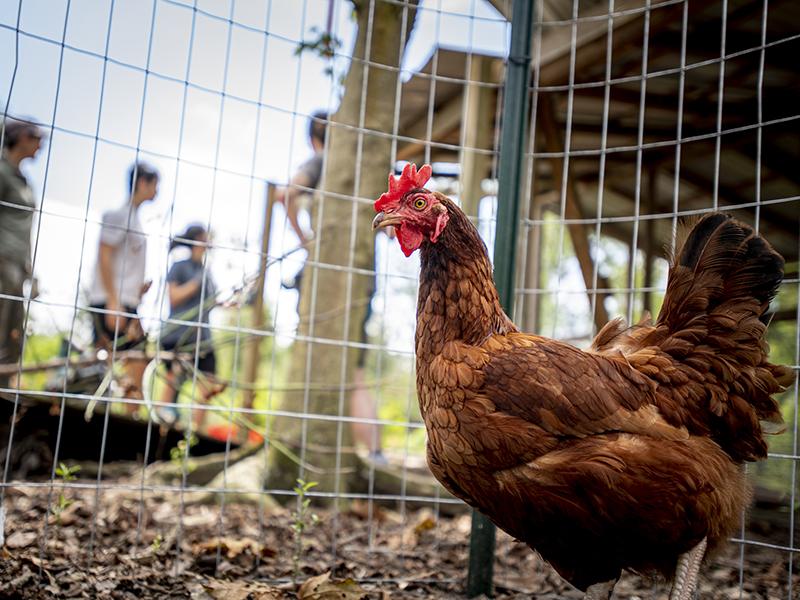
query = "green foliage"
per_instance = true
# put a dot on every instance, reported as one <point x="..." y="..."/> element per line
<point x="155" y="545"/>
<point x="783" y="340"/>
<point x="302" y="519"/>
<point x="61" y="505"/>
<point x="178" y="453"/>
<point x="395" y="394"/>
<point x="39" y="348"/>
<point x="325" y="44"/>
<point x="66" y="473"/>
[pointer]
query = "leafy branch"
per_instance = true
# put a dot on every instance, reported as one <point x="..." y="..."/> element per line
<point x="324" y="45"/>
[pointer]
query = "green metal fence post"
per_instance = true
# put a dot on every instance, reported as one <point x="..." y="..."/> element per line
<point x="512" y="148"/>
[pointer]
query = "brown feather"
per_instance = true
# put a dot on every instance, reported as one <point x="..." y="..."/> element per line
<point x="621" y="457"/>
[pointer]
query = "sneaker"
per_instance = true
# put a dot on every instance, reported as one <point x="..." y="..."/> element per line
<point x="167" y="415"/>
<point x="377" y="458"/>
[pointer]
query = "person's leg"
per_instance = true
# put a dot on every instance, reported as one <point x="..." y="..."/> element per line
<point x="169" y="412"/>
<point x="132" y="338"/>
<point x="208" y="384"/>
<point x="10" y="338"/>
<point x="362" y="402"/>
<point x="12" y="320"/>
<point x="199" y="414"/>
<point x="99" y="337"/>
<point x="134" y="372"/>
<point x="362" y="406"/>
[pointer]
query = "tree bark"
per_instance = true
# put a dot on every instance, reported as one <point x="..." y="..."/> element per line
<point x="334" y="298"/>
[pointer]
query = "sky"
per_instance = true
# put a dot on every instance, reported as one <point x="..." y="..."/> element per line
<point x="239" y="123"/>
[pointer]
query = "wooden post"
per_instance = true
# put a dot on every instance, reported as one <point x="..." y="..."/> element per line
<point x="630" y="275"/>
<point x="253" y="355"/>
<point x="649" y="242"/>
<point x="529" y="313"/>
<point x="477" y="128"/>
<point x="577" y="231"/>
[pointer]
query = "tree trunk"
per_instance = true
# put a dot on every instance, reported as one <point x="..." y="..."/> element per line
<point x="333" y="298"/>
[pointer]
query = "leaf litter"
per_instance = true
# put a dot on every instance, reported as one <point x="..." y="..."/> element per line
<point x="127" y="544"/>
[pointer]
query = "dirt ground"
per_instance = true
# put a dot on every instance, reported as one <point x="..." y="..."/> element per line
<point x="151" y="546"/>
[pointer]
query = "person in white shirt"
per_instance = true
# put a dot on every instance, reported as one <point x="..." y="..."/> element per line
<point x="119" y="277"/>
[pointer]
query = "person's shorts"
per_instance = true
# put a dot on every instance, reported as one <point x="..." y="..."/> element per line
<point x="206" y="360"/>
<point x="12" y="311"/>
<point x="103" y="336"/>
<point x="361" y="361"/>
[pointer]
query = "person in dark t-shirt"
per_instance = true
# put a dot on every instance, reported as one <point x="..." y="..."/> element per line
<point x="191" y="293"/>
<point x="307" y="177"/>
<point x="303" y="184"/>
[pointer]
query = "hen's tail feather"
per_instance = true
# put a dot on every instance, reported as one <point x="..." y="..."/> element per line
<point x="730" y="261"/>
<point x="722" y="279"/>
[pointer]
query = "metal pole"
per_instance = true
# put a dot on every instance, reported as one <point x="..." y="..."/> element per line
<point x="512" y="148"/>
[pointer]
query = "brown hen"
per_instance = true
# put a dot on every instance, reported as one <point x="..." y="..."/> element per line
<point x="625" y="456"/>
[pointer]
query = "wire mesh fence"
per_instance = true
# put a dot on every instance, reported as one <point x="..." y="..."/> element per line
<point x="269" y="361"/>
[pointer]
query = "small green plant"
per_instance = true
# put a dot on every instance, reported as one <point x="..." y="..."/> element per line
<point x="155" y="545"/>
<point x="66" y="474"/>
<point x="180" y="451"/>
<point x="325" y="44"/>
<point x="302" y="519"/>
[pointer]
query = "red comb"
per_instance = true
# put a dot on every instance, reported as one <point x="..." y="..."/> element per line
<point x="398" y="186"/>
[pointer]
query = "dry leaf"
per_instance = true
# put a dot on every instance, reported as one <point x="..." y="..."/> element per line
<point x="322" y="587"/>
<point x="21" y="539"/>
<point x="411" y="535"/>
<point x="424" y="525"/>
<point x="366" y="510"/>
<point x="202" y="519"/>
<point x="239" y="590"/>
<point x="232" y="548"/>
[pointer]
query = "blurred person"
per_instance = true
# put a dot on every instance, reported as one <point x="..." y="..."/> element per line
<point x="302" y="186"/>
<point x="190" y="299"/>
<point x="119" y="276"/>
<point x="21" y="141"/>
<point x="306" y="178"/>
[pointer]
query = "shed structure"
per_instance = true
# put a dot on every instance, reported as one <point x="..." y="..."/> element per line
<point x="658" y="110"/>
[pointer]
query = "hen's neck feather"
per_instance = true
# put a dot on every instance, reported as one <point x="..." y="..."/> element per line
<point x="457" y="296"/>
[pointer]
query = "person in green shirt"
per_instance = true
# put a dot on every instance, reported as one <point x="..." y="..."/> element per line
<point x="21" y="141"/>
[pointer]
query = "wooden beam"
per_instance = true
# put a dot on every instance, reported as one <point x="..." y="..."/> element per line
<point x="789" y="314"/>
<point x="447" y="118"/>
<point x="578" y="232"/>
<point x="477" y="128"/>
<point x="503" y="7"/>
<point x="649" y="241"/>
<point x="775" y="160"/>
<point x="554" y="59"/>
<point x="699" y="114"/>
<point x="253" y="356"/>
<point x="616" y="181"/>
<point x="529" y="305"/>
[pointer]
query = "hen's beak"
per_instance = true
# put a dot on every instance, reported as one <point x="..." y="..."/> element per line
<point x="383" y="220"/>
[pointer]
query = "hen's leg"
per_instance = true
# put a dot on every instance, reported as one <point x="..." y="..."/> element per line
<point x="600" y="591"/>
<point x="686" y="572"/>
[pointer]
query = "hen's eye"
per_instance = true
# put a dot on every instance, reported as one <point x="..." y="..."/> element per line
<point x="419" y="203"/>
